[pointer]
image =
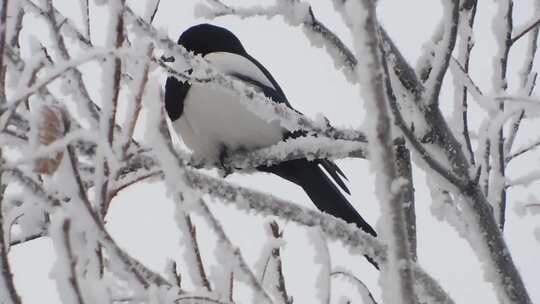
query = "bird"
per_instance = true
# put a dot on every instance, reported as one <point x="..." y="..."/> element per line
<point x="213" y="122"/>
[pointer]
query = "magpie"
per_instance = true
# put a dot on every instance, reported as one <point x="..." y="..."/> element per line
<point x="212" y="121"/>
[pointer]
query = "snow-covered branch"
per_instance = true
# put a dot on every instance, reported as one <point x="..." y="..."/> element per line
<point x="439" y="57"/>
<point x="465" y="44"/>
<point x="439" y="136"/>
<point x="9" y="294"/>
<point x="397" y="273"/>
<point x="295" y="13"/>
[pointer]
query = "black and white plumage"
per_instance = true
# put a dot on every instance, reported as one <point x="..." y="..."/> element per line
<point x="212" y="120"/>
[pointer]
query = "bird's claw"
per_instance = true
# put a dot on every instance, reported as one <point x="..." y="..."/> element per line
<point x="225" y="168"/>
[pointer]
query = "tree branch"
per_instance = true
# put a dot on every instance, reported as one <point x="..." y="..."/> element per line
<point x="532" y="26"/>
<point x="398" y="270"/>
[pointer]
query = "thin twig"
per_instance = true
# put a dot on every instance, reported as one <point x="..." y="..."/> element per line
<point x="234" y="251"/>
<point x="442" y="56"/>
<point x="497" y="194"/>
<point x="523" y="150"/>
<point x="318" y="31"/>
<point x="276" y="255"/>
<point x="51" y="17"/>
<point x="5" y="271"/>
<point x="177" y="276"/>
<point x="533" y="25"/>
<point x="72" y="262"/>
<point x="363" y="290"/>
<point x="527" y="84"/>
<point x="137" y="100"/>
<point x="86" y="18"/>
<point x="154" y="12"/>
<point x="108" y="118"/>
<point x="106" y="238"/>
<point x="197" y="251"/>
<point x="16" y="31"/>
<point x="370" y="72"/>
<point x="404" y="171"/>
<point x="231" y="287"/>
<point x="467" y="44"/>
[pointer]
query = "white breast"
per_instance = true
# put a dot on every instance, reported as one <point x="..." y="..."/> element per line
<point x="214" y="117"/>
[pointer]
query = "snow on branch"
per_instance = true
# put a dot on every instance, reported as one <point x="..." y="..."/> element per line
<point x="9" y="294"/>
<point x="362" y="289"/>
<point x="527" y="28"/>
<point x="479" y="214"/>
<point x="464" y="46"/>
<point x="295" y="12"/>
<point x="131" y="267"/>
<point x="397" y="274"/>
<point x="263" y="204"/>
<point x="439" y="56"/>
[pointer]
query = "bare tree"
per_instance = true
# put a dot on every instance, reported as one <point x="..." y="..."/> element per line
<point x="69" y="152"/>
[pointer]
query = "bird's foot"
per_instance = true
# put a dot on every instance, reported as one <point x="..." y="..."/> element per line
<point x="225" y="169"/>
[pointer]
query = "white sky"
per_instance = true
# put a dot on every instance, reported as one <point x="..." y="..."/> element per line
<point x="141" y="219"/>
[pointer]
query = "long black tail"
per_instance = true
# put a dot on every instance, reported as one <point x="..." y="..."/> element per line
<point x="322" y="191"/>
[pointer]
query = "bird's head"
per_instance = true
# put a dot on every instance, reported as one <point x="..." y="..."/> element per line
<point x="205" y="38"/>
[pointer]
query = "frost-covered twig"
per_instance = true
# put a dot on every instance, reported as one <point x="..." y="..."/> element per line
<point x="362" y="289"/>
<point x="465" y="80"/>
<point x="295" y="12"/>
<point x="503" y="25"/>
<point x="112" y="74"/>
<point x="269" y="205"/>
<point x="466" y="43"/>
<point x="508" y="279"/>
<point x="533" y="26"/>
<point x="67" y="256"/>
<point x="9" y="293"/>
<point x="14" y="26"/>
<point x="197" y="252"/>
<point x="51" y="16"/>
<point x="276" y="255"/>
<point x="131" y="266"/>
<point x="404" y="172"/>
<point x="433" y="163"/>
<point x="234" y="253"/>
<point x="271" y="266"/>
<point x="65" y="22"/>
<point x="528" y="82"/>
<point x="13" y="241"/>
<point x="154" y="11"/>
<point x="59" y="70"/>
<point x="135" y="105"/>
<point x="429" y="289"/>
<point x="523" y="150"/>
<point x="398" y="270"/>
<point x="301" y="147"/>
<point x="85" y="8"/>
<point x="439" y="60"/>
